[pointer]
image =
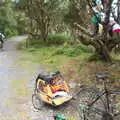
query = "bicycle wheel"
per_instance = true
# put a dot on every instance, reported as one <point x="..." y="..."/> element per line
<point x="84" y="98"/>
<point x="115" y="105"/>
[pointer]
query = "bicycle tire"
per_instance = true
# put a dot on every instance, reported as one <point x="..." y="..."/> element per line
<point x="115" y="105"/>
<point x="93" y="112"/>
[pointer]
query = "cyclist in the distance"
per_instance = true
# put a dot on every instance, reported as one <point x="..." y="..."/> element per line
<point x="2" y="37"/>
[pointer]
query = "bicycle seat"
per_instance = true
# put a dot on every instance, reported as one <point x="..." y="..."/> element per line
<point x="102" y="76"/>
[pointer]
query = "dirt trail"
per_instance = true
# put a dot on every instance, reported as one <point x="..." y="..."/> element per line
<point x="16" y="85"/>
<point x="17" y="78"/>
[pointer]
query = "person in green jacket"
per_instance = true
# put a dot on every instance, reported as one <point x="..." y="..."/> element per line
<point x="95" y="22"/>
<point x="96" y="19"/>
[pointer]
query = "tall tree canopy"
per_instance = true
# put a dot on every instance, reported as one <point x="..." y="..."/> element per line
<point x="11" y="21"/>
<point x="42" y="15"/>
<point x="7" y="18"/>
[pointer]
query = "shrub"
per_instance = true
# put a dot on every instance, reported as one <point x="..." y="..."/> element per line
<point x="21" y="45"/>
<point x="56" y="39"/>
<point x="10" y="32"/>
<point x="72" y="51"/>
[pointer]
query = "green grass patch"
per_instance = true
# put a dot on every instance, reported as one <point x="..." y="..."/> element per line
<point x="54" y="57"/>
<point x="72" y="51"/>
<point x="52" y="39"/>
<point x="116" y="56"/>
<point x="72" y="60"/>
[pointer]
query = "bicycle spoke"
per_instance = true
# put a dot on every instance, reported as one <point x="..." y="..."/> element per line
<point x="115" y="105"/>
<point x="85" y="97"/>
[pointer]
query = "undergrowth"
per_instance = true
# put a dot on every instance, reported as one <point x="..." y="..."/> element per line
<point x="74" y="61"/>
<point x="52" y="39"/>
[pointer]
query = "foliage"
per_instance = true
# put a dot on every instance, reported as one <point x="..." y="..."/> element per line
<point x="72" y="51"/>
<point x="76" y="12"/>
<point x="21" y="23"/>
<point x="21" y="45"/>
<point x="46" y="20"/>
<point x="65" y="50"/>
<point x="47" y="56"/>
<point x="76" y="68"/>
<point x="58" y="39"/>
<point x="43" y="16"/>
<point x="11" y="21"/>
<point x="78" y="20"/>
<point x="52" y="39"/>
<point x="7" y="19"/>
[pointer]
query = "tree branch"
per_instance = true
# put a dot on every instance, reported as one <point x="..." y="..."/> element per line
<point x="82" y="29"/>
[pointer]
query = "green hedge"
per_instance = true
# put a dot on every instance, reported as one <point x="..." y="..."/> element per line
<point x="58" y="39"/>
<point x="72" y="51"/>
<point x="52" y="39"/>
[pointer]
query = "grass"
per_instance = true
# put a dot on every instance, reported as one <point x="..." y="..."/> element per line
<point x="52" y="39"/>
<point x="55" y="57"/>
<point x="71" y="60"/>
<point x="116" y="56"/>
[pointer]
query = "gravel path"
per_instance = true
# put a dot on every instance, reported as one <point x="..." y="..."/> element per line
<point x="15" y="105"/>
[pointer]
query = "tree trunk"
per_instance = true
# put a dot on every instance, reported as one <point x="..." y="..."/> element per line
<point x="104" y="54"/>
<point x="44" y="33"/>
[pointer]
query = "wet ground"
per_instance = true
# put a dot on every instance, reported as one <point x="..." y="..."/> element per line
<point x="16" y="84"/>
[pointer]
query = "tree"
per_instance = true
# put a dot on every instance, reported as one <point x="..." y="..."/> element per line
<point x="8" y="22"/>
<point x="42" y="15"/>
<point x="78" y="18"/>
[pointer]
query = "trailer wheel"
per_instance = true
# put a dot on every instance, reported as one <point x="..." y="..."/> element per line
<point x="37" y="103"/>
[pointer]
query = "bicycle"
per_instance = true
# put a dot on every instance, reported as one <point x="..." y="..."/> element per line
<point x="95" y="104"/>
<point x="1" y="44"/>
<point x="2" y="39"/>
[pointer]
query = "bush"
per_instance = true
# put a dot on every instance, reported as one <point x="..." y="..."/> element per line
<point x="35" y="42"/>
<point x="21" y="45"/>
<point x="57" y="39"/>
<point x="10" y="32"/>
<point x="72" y="51"/>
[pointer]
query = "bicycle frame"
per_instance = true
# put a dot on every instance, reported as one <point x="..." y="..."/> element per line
<point x="107" y="105"/>
<point x="110" y="107"/>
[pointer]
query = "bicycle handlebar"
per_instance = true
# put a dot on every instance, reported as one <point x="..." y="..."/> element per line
<point x="102" y="76"/>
